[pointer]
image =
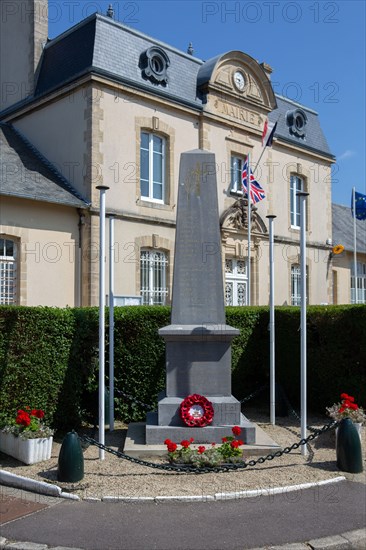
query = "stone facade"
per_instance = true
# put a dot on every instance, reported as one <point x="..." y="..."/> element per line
<point x="89" y="126"/>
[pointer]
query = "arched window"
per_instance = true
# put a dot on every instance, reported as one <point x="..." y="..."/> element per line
<point x="8" y="272"/>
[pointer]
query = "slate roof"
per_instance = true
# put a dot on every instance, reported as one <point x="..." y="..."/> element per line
<point x="103" y="46"/>
<point x="314" y="137"/>
<point x="27" y="174"/>
<point x="342" y="229"/>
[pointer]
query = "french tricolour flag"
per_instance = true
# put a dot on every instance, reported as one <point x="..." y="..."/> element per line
<point x="268" y="133"/>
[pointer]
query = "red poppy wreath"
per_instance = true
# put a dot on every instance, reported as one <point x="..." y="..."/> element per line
<point x="196" y="411"/>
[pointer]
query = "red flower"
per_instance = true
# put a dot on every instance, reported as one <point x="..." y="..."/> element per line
<point x="353" y="406"/>
<point x="185" y="443"/>
<point x="167" y="441"/>
<point x="240" y="442"/>
<point x="191" y="440"/>
<point x="213" y="444"/>
<point x="234" y="444"/>
<point x="172" y="447"/>
<point x="201" y="449"/>
<point x="236" y="430"/>
<point x="224" y="439"/>
<point x="37" y="413"/>
<point x="350" y="398"/>
<point x="344" y="395"/>
<point x="23" y="418"/>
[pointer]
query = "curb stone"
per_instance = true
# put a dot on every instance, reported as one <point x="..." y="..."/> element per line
<point x="350" y="540"/>
<point x="8" y="545"/>
<point x="39" y="487"/>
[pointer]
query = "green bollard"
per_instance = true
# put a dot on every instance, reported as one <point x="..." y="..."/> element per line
<point x="71" y="459"/>
<point x="349" y="455"/>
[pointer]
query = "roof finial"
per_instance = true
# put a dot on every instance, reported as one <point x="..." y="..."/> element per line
<point x="190" y="49"/>
<point x="110" y="11"/>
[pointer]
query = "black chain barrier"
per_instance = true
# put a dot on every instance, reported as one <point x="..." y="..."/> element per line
<point x="254" y="393"/>
<point x="215" y="469"/>
<point x="293" y="412"/>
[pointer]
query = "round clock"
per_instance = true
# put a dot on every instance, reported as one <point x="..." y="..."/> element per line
<point x="239" y="80"/>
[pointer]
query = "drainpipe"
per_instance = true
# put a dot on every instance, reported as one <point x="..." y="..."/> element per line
<point x="79" y="257"/>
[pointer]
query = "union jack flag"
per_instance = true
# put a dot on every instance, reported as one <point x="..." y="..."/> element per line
<point x="257" y="193"/>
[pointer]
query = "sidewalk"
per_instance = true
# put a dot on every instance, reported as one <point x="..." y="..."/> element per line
<point x="268" y="521"/>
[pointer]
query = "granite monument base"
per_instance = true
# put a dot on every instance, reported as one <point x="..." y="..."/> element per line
<point x="156" y="435"/>
<point x="226" y="411"/>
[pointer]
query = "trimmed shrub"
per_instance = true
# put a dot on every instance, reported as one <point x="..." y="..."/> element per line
<point x="49" y="358"/>
<point x="34" y="351"/>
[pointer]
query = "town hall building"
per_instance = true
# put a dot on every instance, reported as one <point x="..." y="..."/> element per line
<point x="104" y="104"/>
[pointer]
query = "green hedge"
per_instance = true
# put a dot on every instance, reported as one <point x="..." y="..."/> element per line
<point x="49" y="357"/>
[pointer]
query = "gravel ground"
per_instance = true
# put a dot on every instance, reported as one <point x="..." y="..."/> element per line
<point x="117" y="477"/>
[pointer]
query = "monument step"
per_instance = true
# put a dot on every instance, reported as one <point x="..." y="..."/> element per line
<point x="156" y="434"/>
<point x="136" y="447"/>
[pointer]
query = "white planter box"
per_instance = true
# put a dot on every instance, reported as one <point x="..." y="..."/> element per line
<point x="28" y="451"/>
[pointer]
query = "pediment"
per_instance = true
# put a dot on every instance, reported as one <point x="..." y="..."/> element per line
<point x="239" y="79"/>
<point x="235" y="218"/>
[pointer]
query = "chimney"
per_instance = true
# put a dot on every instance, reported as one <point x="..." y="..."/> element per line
<point x="110" y="11"/>
<point x="23" y="33"/>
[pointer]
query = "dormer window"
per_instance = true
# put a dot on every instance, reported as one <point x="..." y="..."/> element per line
<point x="297" y="120"/>
<point x="154" y="63"/>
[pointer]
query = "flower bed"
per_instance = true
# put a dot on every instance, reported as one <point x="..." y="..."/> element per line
<point x="228" y="452"/>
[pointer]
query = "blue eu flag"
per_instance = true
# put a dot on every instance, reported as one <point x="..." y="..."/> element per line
<point x="360" y="206"/>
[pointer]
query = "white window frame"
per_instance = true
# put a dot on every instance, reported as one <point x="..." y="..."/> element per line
<point x="8" y="272"/>
<point x="296" y="185"/>
<point x="295" y="285"/>
<point x="150" y="197"/>
<point x="361" y="284"/>
<point x="296" y="282"/>
<point x="153" y="267"/>
<point x="236" y="170"/>
<point x="235" y="278"/>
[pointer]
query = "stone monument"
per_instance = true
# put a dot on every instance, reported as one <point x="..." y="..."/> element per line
<point x="198" y="342"/>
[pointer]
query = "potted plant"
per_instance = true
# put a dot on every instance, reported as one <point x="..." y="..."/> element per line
<point x="27" y="438"/>
<point x="347" y="408"/>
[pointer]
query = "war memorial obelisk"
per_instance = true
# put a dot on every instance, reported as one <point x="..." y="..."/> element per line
<point x="198" y="341"/>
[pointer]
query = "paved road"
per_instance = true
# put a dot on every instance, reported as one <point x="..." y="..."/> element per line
<point x="230" y="525"/>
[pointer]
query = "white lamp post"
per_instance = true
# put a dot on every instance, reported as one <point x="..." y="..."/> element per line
<point x="303" y="196"/>
<point x="102" y="189"/>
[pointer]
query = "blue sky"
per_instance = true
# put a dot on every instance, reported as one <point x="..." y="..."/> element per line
<point x="316" y="49"/>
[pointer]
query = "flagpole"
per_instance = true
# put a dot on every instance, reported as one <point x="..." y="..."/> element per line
<point x="111" y="322"/>
<point x="303" y="195"/>
<point x="268" y="142"/>
<point x="261" y="155"/>
<point x="102" y="189"/>
<point x="272" y="399"/>
<point x="354" y="244"/>
<point x="249" y="230"/>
